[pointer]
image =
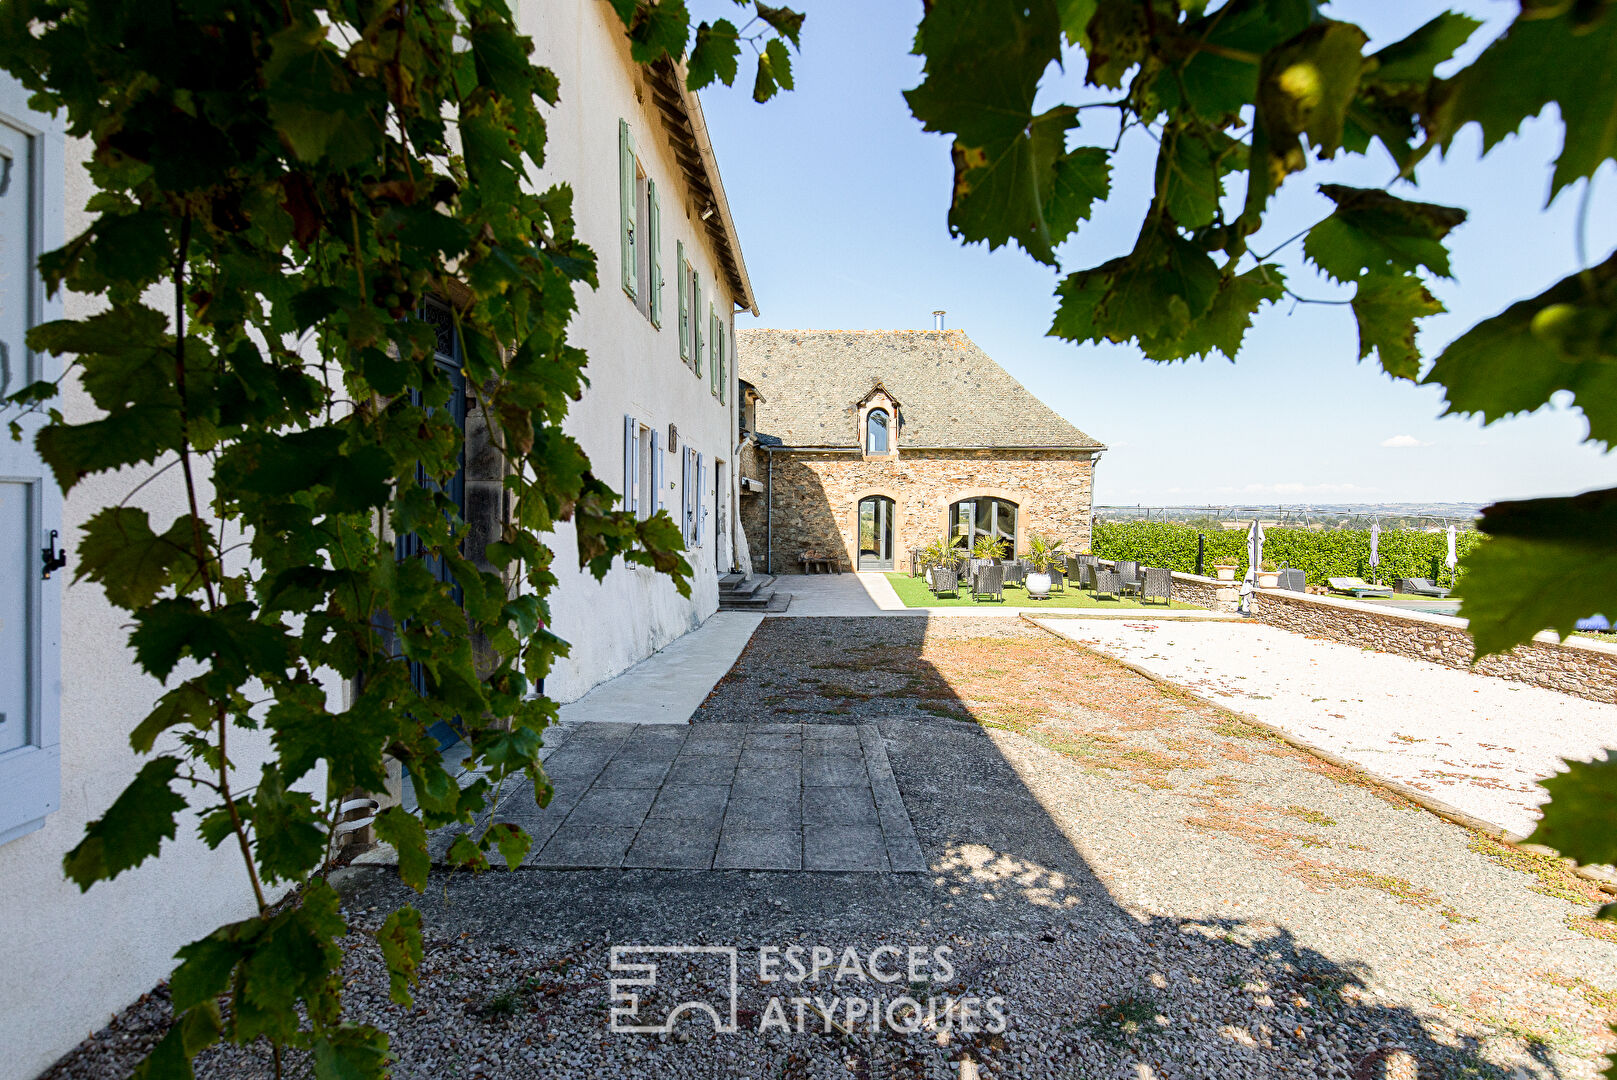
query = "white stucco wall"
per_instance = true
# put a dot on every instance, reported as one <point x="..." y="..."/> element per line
<point x="634" y="368"/>
<point x="72" y="959"/>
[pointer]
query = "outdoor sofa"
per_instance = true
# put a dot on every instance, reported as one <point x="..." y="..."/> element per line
<point x="1353" y="586"/>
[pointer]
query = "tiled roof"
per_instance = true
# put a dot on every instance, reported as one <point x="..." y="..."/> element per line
<point x="951" y="393"/>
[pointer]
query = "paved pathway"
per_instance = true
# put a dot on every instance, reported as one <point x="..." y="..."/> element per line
<point x="669" y="685"/>
<point x="720" y="797"/>
<point x="1477" y="742"/>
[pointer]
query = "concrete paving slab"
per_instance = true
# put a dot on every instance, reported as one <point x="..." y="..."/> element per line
<point x="756" y="783"/>
<point x="769" y="741"/>
<point x="750" y="850"/>
<point x="621" y="808"/>
<point x="844" y="847"/>
<point x="585" y="846"/>
<point x="691" y="802"/>
<point x="673" y="845"/>
<point x="711" y="769"/>
<point x="763" y="815"/>
<point x="839" y="806"/>
<point x="838" y="771"/>
<point x="669" y="685"/>
<point x="633" y="774"/>
<point x="770" y="759"/>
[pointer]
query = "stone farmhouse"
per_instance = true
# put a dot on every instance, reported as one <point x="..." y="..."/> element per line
<point x="661" y="414"/>
<point x="861" y="446"/>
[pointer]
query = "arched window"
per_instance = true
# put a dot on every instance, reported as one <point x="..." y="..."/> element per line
<point x="876" y="432"/>
<point x="995" y="518"/>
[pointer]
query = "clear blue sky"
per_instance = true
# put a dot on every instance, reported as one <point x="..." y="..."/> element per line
<point x="841" y="201"/>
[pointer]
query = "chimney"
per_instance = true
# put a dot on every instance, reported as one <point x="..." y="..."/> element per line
<point x="937" y="319"/>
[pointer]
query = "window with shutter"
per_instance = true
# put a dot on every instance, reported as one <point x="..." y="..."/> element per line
<point x="631" y="463"/>
<point x="696" y="323"/>
<point x="656" y="476"/>
<point x="724" y="367"/>
<point x="30" y="501"/>
<point x="700" y="498"/>
<point x="683" y="274"/>
<point x="627" y="208"/>
<point x="654" y="228"/>
<point x="712" y="351"/>
<point x="687" y="496"/>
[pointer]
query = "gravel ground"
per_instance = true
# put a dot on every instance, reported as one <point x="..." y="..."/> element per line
<point x="1477" y="742"/>
<point x="1151" y="886"/>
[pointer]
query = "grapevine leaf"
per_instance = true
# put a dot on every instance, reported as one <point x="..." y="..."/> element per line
<point x="404" y="831"/>
<point x="1191" y="166"/>
<point x="1386" y="307"/>
<point x="188" y="703"/>
<point x="1117" y="39"/>
<point x="1214" y="75"/>
<point x="464" y="853"/>
<point x="1565" y="338"/>
<point x="1001" y="198"/>
<point x="1372" y="232"/>
<point x="133" y="828"/>
<point x="351" y="1051"/>
<point x="657" y="30"/>
<point x="120" y="551"/>
<point x="511" y="840"/>
<point x="1537" y="61"/>
<point x="289" y="840"/>
<point x="1413" y="59"/>
<point x="400" y="939"/>
<point x="714" y="55"/>
<point x="784" y="21"/>
<point x="1517" y="584"/>
<point x="1226" y="321"/>
<point x="194" y="1031"/>
<point x="1304" y="88"/>
<point x="1581" y="819"/>
<point x="205" y="968"/>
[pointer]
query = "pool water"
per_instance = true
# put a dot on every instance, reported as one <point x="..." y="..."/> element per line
<point x="1415" y="603"/>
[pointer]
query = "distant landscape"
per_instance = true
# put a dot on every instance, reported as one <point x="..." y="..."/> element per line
<point x="1396" y="515"/>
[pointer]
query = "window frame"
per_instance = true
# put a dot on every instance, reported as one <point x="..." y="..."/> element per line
<point x="886" y="432"/>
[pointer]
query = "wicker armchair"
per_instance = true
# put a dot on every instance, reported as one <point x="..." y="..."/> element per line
<point x="990" y="584"/>
<point x="1157" y="582"/>
<point x="1107" y="583"/>
<point x="1128" y="573"/>
<point x="945" y="580"/>
<point x="1015" y="573"/>
<point x="1079" y="571"/>
<point x="1058" y="580"/>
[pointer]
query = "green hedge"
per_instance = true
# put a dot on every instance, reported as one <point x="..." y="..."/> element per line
<point x="1320" y="553"/>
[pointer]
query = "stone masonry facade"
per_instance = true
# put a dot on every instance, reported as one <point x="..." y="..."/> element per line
<point x="817" y="495"/>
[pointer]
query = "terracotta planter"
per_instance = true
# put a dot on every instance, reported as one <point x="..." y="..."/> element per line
<point x="1225" y="573"/>
<point x="1038" y="585"/>
<point x="1268" y="579"/>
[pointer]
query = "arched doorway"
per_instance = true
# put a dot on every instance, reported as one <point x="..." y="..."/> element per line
<point x="876" y="533"/>
<point x="984" y="516"/>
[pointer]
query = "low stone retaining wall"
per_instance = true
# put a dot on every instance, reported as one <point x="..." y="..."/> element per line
<point x="1585" y="668"/>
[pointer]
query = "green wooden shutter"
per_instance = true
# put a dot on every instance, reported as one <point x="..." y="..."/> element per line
<point x="724" y="367"/>
<point x="627" y="209"/>
<point x="712" y="351"/>
<point x="696" y="323"/>
<point x="654" y="229"/>
<point x="683" y="274"/>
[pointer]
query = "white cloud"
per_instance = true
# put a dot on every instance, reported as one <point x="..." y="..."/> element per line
<point x="1401" y="442"/>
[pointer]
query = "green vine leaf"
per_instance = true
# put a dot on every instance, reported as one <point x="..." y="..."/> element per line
<point x="133" y="828"/>
<point x="1372" y="232"/>
<point x="400" y="941"/>
<point x="714" y="55"/>
<point x="1386" y="307"/>
<point x="405" y="832"/>
<point x="1583" y="804"/>
<point x="1565" y="338"/>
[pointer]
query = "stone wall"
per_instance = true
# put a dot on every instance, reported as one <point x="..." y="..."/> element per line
<point x="1588" y="670"/>
<point x="817" y="494"/>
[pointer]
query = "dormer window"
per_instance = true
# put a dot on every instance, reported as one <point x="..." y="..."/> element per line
<point x="876" y="432"/>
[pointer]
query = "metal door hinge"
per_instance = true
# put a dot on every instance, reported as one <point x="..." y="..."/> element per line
<point x="53" y="557"/>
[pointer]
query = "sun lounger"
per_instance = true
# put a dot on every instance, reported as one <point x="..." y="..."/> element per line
<point x="1353" y="586"/>
<point x="1419" y="586"/>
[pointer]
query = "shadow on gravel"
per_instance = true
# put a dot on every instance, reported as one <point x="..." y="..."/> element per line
<point x="1088" y="988"/>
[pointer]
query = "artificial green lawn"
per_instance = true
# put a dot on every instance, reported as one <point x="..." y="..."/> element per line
<point x="914" y="593"/>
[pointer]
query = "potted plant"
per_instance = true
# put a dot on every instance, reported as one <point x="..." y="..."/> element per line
<point x="1043" y="553"/>
<point x="1224" y="567"/>
<point x="1268" y="574"/>
<point x="985" y="550"/>
<point x="941" y="552"/>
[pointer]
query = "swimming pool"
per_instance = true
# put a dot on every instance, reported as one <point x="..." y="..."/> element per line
<point x="1416" y="603"/>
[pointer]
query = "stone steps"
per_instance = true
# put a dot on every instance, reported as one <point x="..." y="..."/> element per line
<point x="739" y="593"/>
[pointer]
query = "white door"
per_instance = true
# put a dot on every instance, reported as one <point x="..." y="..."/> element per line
<point x="30" y="502"/>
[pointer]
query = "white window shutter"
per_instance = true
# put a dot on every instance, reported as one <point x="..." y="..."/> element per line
<point x="701" y="498"/>
<point x="656" y="475"/>
<point x="31" y="667"/>
<point x="688" y="499"/>
<point x="629" y="430"/>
